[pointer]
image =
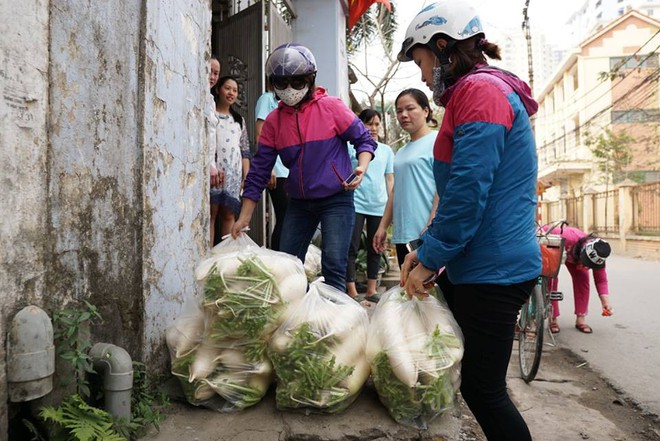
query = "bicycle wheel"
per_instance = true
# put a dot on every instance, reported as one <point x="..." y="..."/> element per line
<point x="530" y="338"/>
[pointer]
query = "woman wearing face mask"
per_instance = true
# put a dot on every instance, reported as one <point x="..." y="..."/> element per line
<point x="309" y="131"/>
<point x="413" y="199"/>
<point x="483" y="233"/>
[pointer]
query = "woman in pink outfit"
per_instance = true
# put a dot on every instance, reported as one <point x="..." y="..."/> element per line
<point x="584" y="252"/>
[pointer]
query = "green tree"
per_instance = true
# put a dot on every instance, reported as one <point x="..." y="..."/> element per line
<point x="613" y="152"/>
<point x="374" y="32"/>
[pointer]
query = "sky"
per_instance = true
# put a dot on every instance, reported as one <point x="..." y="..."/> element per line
<point x="497" y="16"/>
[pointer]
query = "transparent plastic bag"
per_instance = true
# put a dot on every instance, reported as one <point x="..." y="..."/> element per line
<point x="218" y="342"/>
<point x="246" y="288"/>
<point x="225" y="375"/>
<point x="414" y="348"/>
<point x="318" y="352"/>
<point x="313" y="262"/>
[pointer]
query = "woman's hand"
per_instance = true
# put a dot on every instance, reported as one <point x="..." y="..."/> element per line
<point x="214" y="177"/>
<point x="605" y="303"/>
<point x="272" y="182"/>
<point x="378" y="242"/>
<point x="240" y="226"/>
<point x="415" y="277"/>
<point x="221" y="178"/>
<point x="359" y="174"/>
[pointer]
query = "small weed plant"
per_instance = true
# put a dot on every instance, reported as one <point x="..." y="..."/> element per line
<point x="75" y="419"/>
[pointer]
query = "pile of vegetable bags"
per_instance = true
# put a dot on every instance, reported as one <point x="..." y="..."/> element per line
<point x="414" y="348"/>
<point x="319" y="352"/>
<point x="218" y="345"/>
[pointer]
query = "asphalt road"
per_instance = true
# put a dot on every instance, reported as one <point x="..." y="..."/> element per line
<point x="624" y="348"/>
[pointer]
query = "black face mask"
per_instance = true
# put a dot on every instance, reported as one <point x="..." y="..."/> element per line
<point x="442" y="79"/>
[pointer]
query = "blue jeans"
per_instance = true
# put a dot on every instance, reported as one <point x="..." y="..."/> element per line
<point x="336" y="214"/>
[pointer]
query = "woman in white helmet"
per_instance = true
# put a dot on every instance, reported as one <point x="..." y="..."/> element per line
<point x="483" y="233"/>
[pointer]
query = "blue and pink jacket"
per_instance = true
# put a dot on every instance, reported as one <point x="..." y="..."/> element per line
<point x="311" y="141"/>
<point x="485" y="168"/>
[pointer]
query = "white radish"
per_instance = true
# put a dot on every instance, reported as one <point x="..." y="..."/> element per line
<point x="356" y="380"/>
<point x="222" y="384"/>
<point x="281" y="265"/>
<point x="394" y="343"/>
<point x="232" y="359"/>
<point x="205" y="362"/>
<point x="292" y="287"/>
<point x="185" y="333"/>
<point x="204" y="392"/>
<point x="417" y="338"/>
<point x="280" y="341"/>
<point x="260" y="382"/>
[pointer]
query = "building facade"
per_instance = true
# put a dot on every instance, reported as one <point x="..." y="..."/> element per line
<point x="609" y="82"/>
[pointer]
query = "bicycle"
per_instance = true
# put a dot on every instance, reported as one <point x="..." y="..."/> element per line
<point x="538" y="308"/>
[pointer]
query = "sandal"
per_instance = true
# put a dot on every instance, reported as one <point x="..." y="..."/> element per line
<point x="372" y="298"/>
<point x="584" y="328"/>
<point x="554" y="327"/>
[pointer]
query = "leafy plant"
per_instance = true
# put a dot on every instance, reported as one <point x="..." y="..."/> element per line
<point x="77" y="420"/>
<point x="146" y="405"/>
<point x="73" y="344"/>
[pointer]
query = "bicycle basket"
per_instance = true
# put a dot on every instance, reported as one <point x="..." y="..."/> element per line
<point x="552" y="254"/>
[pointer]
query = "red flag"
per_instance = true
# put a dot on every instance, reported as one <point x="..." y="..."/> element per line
<point x="359" y="7"/>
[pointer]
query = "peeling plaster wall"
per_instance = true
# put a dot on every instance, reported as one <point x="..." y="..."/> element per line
<point x="96" y="164"/>
<point x="128" y="189"/>
<point x="176" y="47"/>
<point x="23" y="173"/>
<point x="102" y="164"/>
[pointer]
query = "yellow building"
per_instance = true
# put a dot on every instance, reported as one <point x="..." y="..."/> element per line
<point x="609" y="82"/>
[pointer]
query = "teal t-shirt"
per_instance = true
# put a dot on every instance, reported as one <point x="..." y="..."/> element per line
<point x="371" y="196"/>
<point x="266" y="104"/>
<point x="414" y="188"/>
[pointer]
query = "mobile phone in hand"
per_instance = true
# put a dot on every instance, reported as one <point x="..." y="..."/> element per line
<point x="350" y="179"/>
<point x="413" y="245"/>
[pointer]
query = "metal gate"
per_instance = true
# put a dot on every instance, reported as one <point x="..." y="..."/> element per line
<point x="238" y="40"/>
<point x="242" y="43"/>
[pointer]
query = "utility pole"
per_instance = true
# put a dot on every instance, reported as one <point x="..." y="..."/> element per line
<point x="528" y="37"/>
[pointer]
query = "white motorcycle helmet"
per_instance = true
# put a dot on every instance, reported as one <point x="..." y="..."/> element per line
<point x="455" y="19"/>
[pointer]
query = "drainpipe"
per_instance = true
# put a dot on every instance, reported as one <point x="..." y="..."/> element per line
<point x="30" y="355"/>
<point x="116" y="367"/>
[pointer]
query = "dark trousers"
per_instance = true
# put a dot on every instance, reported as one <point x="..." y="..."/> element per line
<point x="401" y="253"/>
<point x="487" y="316"/>
<point x="373" y="258"/>
<point x="335" y="213"/>
<point x="280" y="200"/>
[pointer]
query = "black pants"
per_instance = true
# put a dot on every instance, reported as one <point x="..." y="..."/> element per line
<point x="373" y="258"/>
<point x="280" y="201"/>
<point x="401" y="253"/>
<point x="487" y="316"/>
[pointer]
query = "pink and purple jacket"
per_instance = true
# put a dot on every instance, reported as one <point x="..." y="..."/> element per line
<point x="311" y="141"/>
<point x="571" y="237"/>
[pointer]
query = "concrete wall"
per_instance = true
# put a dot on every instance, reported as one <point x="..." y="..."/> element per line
<point x="23" y="171"/>
<point x="321" y="26"/>
<point x="175" y="196"/>
<point x="103" y="164"/>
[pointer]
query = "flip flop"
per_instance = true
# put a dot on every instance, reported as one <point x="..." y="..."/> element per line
<point x="554" y="327"/>
<point x="372" y="298"/>
<point x="584" y="328"/>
